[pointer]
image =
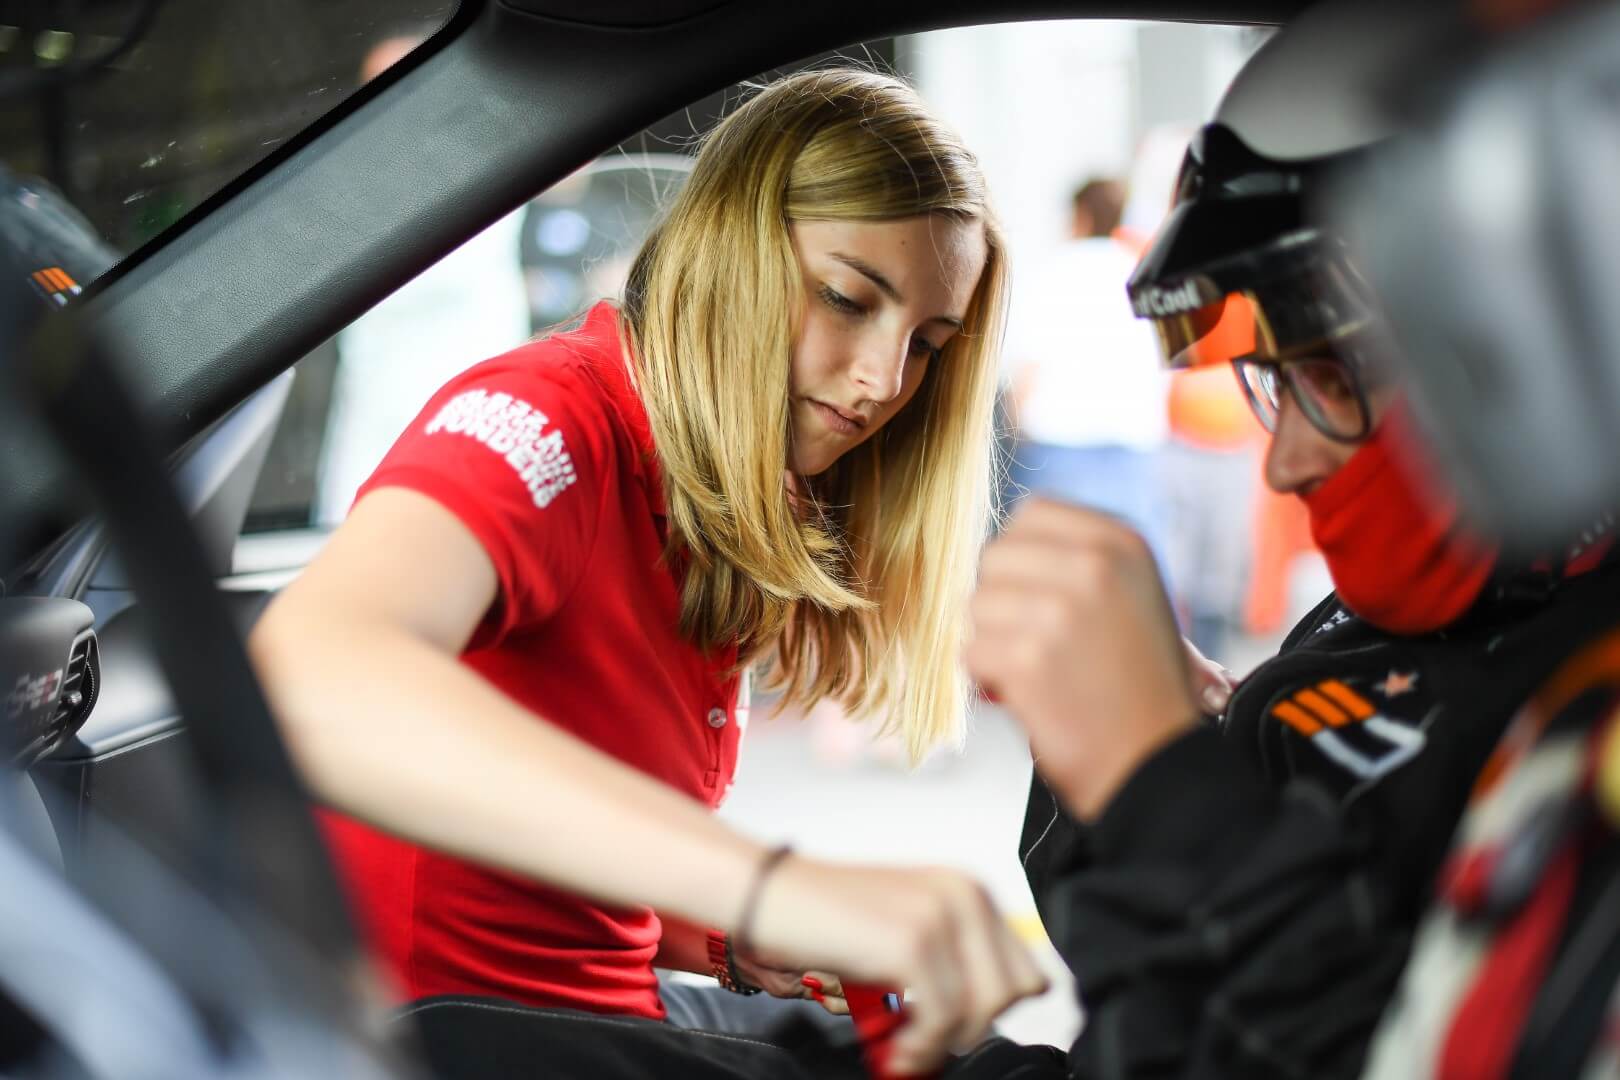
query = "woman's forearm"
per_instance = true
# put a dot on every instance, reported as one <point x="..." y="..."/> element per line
<point x="393" y="730"/>
<point x="390" y="727"/>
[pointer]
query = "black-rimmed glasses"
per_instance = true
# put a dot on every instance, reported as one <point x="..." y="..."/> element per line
<point x="1326" y="390"/>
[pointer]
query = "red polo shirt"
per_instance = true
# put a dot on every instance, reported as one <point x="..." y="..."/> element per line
<point x="546" y="456"/>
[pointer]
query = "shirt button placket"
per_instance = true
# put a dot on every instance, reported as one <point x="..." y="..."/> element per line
<point x="711" y="776"/>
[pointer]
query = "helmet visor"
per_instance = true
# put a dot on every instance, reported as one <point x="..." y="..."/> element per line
<point x="1215" y="333"/>
<point x="1296" y="296"/>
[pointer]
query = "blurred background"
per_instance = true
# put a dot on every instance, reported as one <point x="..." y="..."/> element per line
<point x="1080" y="127"/>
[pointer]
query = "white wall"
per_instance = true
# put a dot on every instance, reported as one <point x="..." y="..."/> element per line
<point x="1046" y="105"/>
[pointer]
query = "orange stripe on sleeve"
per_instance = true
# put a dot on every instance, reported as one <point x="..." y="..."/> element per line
<point x="1321" y="706"/>
<point x="62" y="275"/>
<point x="1352" y="702"/>
<point x="1296" y="718"/>
<point x="43" y="279"/>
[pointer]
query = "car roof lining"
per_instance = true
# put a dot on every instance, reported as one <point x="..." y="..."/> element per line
<point x="510" y="102"/>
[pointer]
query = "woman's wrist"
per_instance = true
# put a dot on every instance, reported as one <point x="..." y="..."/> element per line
<point x="723" y="947"/>
<point x="748" y="916"/>
<point x="723" y="965"/>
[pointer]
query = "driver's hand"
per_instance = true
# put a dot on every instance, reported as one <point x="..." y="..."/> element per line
<point x="1212" y="684"/>
<point x="1073" y="633"/>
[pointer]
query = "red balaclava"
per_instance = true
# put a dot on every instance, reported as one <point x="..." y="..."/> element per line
<point x="1392" y="537"/>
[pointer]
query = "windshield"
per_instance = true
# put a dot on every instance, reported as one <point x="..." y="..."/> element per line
<point x="125" y="114"/>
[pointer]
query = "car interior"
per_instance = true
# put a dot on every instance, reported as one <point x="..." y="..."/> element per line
<point x="204" y="322"/>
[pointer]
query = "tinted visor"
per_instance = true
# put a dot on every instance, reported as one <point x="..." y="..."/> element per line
<point x="1296" y="295"/>
<point x="1215" y="333"/>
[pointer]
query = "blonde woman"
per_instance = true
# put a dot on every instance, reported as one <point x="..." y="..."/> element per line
<point x="523" y="649"/>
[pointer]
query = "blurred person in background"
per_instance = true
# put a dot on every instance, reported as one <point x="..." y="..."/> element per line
<point x="1238" y="899"/>
<point x="1209" y="460"/>
<point x="1281" y="544"/>
<point x="1209" y="483"/>
<point x="1086" y="393"/>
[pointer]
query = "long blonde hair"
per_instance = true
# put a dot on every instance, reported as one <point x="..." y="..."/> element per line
<point x="864" y="597"/>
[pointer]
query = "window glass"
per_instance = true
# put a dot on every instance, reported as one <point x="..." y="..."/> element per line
<point x="141" y="109"/>
<point x="536" y="267"/>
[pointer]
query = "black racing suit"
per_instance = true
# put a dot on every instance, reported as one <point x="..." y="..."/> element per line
<point x="1244" y="905"/>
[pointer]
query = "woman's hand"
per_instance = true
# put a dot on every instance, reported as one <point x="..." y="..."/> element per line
<point x="934" y="932"/>
<point x="787" y="981"/>
<point x="1072" y="632"/>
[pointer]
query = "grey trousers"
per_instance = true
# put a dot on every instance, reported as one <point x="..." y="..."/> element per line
<point x="709" y="1008"/>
